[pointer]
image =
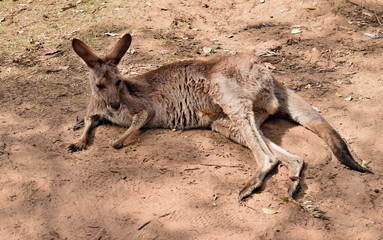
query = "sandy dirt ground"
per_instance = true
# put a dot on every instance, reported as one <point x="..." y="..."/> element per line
<point x="167" y="184"/>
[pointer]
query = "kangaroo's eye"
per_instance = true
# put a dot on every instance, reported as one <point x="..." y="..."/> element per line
<point x="118" y="82"/>
<point x="100" y="86"/>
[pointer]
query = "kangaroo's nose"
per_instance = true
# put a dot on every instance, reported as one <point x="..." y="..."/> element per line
<point x="115" y="106"/>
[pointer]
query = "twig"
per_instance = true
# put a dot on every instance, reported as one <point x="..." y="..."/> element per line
<point x="165" y="215"/>
<point x="191" y="169"/>
<point x="377" y="18"/>
<point x="359" y="5"/>
<point x="245" y="205"/>
<point x="143" y="225"/>
<point x="222" y="165"/>
<point x="93" y="227"/>
<point x="374" y="11"/>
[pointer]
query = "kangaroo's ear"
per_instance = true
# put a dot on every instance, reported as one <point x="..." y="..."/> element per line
<point x="85" y="53"/>
<point x="119" y="50"/>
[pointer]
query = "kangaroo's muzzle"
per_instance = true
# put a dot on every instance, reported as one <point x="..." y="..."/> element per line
<point x="114" y="106"/>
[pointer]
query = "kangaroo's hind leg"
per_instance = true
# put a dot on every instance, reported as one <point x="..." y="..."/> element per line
<point x="294" y="163"/>
<point x="229" y="130"/>
<point x="243" y="126"/>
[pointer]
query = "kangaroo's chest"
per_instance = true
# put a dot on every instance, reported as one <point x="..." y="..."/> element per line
<point x="121" y="118"/>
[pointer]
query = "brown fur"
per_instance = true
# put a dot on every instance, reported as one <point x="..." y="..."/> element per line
<point x="231" y="95"/>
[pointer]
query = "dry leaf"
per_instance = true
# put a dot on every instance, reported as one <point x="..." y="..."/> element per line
<point x="206" y="49"/>
<point x="349" y="98"/>
<point x="296" y="31"/>
<point x="269" y="65"/>
<point x="315" y="212"/>
<point x="338" y="94"/>
<point x="51" y="51"/>
<point x="378" y="34"/>
<point x="316" y="109"/>
<point x="268" y="211"/>
<point x="110" y="34"/>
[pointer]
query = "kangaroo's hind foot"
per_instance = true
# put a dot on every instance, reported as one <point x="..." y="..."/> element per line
<point x="257" y="179"/>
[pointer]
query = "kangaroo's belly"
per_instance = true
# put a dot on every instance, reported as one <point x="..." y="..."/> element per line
<point x="186" y="114"/>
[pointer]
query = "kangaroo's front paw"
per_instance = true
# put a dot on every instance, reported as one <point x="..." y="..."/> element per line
<point x="75" y="147"/>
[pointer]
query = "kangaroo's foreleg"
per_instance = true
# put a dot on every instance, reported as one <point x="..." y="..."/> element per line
<point x="138" y="121"/>
<point x="90" y="122"/>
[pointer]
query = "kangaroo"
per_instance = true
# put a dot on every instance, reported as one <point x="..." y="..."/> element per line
<point x="231" y="95"/>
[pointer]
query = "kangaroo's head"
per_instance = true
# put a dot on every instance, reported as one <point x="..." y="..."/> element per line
<point x="104" y="80"/>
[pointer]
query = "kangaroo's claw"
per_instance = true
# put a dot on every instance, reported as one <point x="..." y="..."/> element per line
<point x="245" y="192"/>
<point x="75" y="147"/>
<point x="293" y="187"/>
<point x="80" y="123"/>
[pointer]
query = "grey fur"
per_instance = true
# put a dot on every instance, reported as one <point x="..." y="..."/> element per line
<point x="231" y="95"/>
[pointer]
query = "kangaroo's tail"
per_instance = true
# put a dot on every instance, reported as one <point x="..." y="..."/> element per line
<point x="297" y="109"/>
